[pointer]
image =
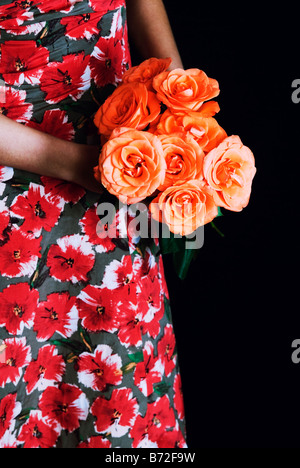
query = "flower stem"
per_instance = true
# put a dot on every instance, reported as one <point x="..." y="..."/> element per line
<point x="217" y="229"/>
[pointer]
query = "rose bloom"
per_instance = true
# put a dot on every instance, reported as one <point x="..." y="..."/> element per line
<point x="130" y="105"/>
<point x="185" y="89"/>
<point x="184" y="159"/>
<point x="146" y="71"/>
<point x="205" y="130"/>
<point x="229" y="169"/>
<point x="185" y="207"/>
<point x="131" y="165"/>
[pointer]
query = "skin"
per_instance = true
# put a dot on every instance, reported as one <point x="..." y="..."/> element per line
<point x="153" y="38"/>
<point x="31" y="150"/>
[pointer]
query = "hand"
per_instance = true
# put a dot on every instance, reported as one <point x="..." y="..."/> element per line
<point x="83" y="171"/>
<point x="30" y="150"/>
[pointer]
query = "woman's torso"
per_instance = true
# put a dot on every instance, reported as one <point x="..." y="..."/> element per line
<point x="58" y="61"/>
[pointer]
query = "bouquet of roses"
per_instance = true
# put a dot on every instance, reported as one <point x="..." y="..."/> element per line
<point x="162" y="143"/>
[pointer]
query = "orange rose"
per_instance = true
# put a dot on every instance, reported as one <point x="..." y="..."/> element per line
<point x="184" y="159"/>
<point x="205" y="130"/>
<point x="184" y="207"/>
<point x="209" y="109"/>
<point x="146" y="71"/>
<point x="131" y="165"/>
<point x="229" y="169"/>
<point x="185" y="89"/>
<point x="130" y="105"/>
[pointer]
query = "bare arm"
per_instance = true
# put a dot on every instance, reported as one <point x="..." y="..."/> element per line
<point x="150" y="29"/>
<point x="30" y="150"/>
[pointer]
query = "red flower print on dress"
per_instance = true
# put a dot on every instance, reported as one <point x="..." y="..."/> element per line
<point x="4" y="219"/>
<point x="98" y="233"/>
<point x="6" y="173"/>
<point x="47" y="6"/>
<point x="55" y="122"/>
<point x="56" y="315"/>
<point x="38" y="432"/>
<point x="162" y="278"/>
<point x="69" y="78"/>
<point x="8" y="441"/>
<point x="14" y="15"/>
<point x="65" y="405"/>
<point x="9" y="410"/>
<point x="18" y="304"/>
<point x="37" y="209"/>
<point x="166" y="349"/>
<point x="19" y="255"/>
<point x="71" y="259"/>
<point x="17" y="356"/>
<point x="100" y="369"/>
<point x="106" y="61"/>
<point x="144" y="265"/>
<point x="130" y="328"/>
<point x="95" y="442"/>
<point x="148" y="372"/>
<point x="22" y="62"/>
<point x="158" y="419"/>
<point x="45" y="371"/>
<point x="105" y="5"/>
<point x="153" y="327"/>
<point x="149" y="297"/>
<point x="97" y="310"/>
<point x="116" y="415"/>
<point x="139" y="434"/>
<point x="172" y="439"/>
<point x="82" y="26"/>
<point x="13" y="105"/>
<point x="60" y="189"/>
<point x="178" y="397"/>
<point x="118" y="276"/>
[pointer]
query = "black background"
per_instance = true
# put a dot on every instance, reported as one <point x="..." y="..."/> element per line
<point x="236" y="315"/>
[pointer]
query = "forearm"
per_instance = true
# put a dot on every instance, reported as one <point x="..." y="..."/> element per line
<point x="150" y="30"/>
<point x="30" y="150"/>
<point x="27" y="149"/>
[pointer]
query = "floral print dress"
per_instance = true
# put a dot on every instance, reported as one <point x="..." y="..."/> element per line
<point x="87" y="348"/>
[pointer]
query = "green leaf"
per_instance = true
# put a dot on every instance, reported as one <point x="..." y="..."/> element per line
<point x="182" y="257"/>
<point x="182" y="261"/>
<point x="219" y="212"/>
<point x="162" y="388"/>
<point x="38" y="277"/>
<point x="217" y="229"/>
<point x="171" y="243"/>
<point x="22" y="184"/>
<point x="86" y="338"/>
<point x="213" y="225"/>
<point x="76" y="346"/>
<point x="25" y="413"/>
<point x="128" y="367"/>
<point x="136" y="357"/>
